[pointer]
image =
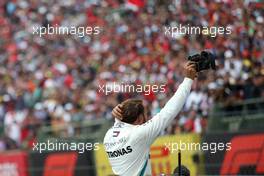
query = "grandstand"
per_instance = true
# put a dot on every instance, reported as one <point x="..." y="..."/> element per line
<point x="49" y="85"/>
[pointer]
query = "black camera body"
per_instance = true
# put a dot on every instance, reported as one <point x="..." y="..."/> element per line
<point x="203" y="61"/>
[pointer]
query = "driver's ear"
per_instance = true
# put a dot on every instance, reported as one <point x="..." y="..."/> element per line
<point x="137" y="121"/>
<point x="143" y="118"/>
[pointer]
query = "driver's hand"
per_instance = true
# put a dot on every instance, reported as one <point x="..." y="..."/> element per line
<point x="190" y="70"/>
<point x="117" y="112"/>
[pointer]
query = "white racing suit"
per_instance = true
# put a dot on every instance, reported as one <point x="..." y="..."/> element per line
<point x="128" y="146"/>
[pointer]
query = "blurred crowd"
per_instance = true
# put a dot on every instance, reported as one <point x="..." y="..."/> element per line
<point x="54" y="79"/>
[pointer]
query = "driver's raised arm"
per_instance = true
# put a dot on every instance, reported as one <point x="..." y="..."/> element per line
<point x="152" y="128"/>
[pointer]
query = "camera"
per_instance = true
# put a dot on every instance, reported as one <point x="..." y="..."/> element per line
<point x="203" y="61"/>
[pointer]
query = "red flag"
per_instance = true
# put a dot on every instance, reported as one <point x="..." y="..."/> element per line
<point x="135" y="4"/>
<point x="138" y="3"/>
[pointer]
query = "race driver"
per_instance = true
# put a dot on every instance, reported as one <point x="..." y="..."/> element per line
<point x="128" y="141"/>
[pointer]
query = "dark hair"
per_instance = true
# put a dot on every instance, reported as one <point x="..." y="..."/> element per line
<point x="184" y="171"/>
<point x="131" y="110"/>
